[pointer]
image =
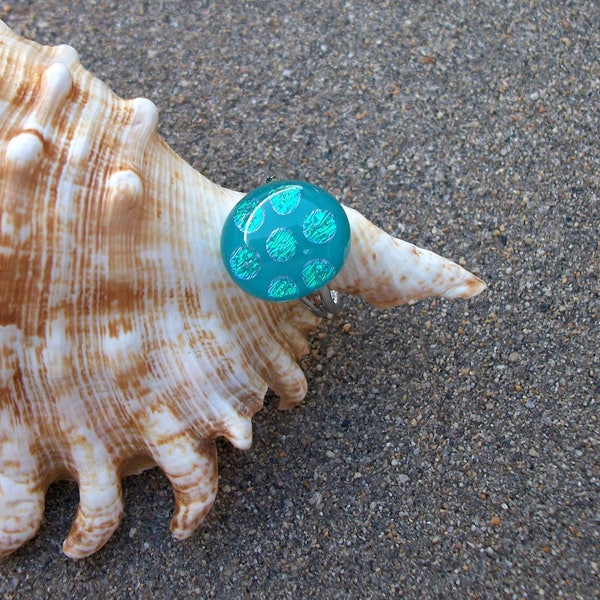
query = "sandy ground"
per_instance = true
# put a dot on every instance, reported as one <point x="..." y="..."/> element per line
<point x="446" y="450"/>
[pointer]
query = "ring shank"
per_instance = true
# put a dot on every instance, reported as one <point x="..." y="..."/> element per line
<point x="331" y="302"/>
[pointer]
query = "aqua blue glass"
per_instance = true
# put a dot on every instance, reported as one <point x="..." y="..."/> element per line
<point x="285" y="240"/>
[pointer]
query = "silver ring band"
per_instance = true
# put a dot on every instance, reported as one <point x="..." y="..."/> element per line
<point x="331" y="302"/>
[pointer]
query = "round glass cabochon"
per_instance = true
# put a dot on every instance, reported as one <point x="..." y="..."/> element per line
<point x="285" y="240"/>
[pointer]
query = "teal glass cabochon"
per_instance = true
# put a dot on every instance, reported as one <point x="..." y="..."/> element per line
<point x="285" y="240"/>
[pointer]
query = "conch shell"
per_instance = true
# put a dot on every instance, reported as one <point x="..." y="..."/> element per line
<point x="124" y="344"/>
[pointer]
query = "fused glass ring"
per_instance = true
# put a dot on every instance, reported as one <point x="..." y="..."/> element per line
<point x="286" y="240"/>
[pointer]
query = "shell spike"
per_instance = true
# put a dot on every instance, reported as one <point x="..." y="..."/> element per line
<point x="192" y="470"/>
<point x="21" y="491"/>
<point x="21" y="513"/>
<point x="387" y="272"/>
<point x="99" y="513"/>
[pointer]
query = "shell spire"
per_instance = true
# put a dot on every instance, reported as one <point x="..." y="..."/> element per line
<point x="386" y="271"/>
<point x="124" y="344"/>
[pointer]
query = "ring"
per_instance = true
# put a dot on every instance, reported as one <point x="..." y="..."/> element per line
<point x="287" y="240"/>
